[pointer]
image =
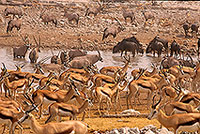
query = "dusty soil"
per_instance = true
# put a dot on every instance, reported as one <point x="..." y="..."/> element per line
<point x="169" y="18"/>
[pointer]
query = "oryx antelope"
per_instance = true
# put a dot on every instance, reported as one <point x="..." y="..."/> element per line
<point x="14" y="23"/>
<point x="33" y="55"/>
<point x="113" y="30"/>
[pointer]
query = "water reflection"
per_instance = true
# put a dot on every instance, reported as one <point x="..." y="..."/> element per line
<point x="109" y="59"/>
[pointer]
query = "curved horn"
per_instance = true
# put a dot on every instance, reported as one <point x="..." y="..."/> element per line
<point x="157" y="102"/>
<point x="4" y="66"/>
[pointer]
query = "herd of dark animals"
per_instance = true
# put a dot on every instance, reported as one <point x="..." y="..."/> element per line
<point x="157" y="45"/>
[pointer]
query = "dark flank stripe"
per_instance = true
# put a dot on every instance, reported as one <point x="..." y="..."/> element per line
<point x="5" y="117"/>
<point x="35" y="77"/>
<point x="49" y="98"/>
<point x="107" y="81"/>
<point x="188" y="100"/>
<point x="167" y="93"/>
<point x="180" y="109"/>
<point x="20" y="86"/>
<point x="105" y="93"/>
<point x="139" y="84"/>
<point x="190" y="123"/>
<point x="66" y="110"/>
<point x="78" y="80"/>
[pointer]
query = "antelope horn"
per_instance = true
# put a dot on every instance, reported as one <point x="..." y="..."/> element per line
<point x="23" y="65"/>
<point x="31" y="83"/>
<point x="34" y="106"/>
<point x="118" y="21"/>
<point x="4" y="66"/>
<point x="35" y="40"/>
<point x="76" y="90"/>
<point x="158" y="102"/>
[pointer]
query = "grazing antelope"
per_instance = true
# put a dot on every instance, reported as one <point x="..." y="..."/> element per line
<point x="14" y="23"/>
<point x="94" y="10"/>
<point x="82" y="72"/>
<point x="14" y="85"/>
<point x="13" y="11"/>
<point x="194" y="28"/>
<point x="186" y="28"/>
<point x="148" y="16"/>
<point x="20" y="52"/>
<point x="63" y="57"/>
<point x="76" y="53"/>
<point x="115" y="69"/>
<point x="10" y="117"/>
<point x="71" y="16"/>
<point x="33" y="55"/>
<point x="191" y="97"/>
<point x="46" y="18"/>
<point x="188" y="122"/>
<point x="47" y="97"/>
<point x="128" y="14"/>
<point x="85" y="61"/>
<point x="113" y="30"/>
<point x="66" y="127"/>
<point x="179" y="107"/>
<point x="108" y="92"/>
<point x="63" y="110"/>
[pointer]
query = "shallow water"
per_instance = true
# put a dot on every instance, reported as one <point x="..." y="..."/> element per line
<point x="109" y="59"/>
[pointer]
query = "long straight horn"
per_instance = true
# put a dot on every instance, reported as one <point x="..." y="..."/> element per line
<point x="4" y="67"/>
<point x="35" y="40"/>
<point x="39" y="41"/>
<point x="76" y="90"/>
<point x="118" y="21"/>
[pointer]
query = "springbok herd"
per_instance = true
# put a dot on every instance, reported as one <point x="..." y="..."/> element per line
<point x="172" y="89"/>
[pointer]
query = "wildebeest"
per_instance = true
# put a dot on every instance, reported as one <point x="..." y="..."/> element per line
<point x="94" y="10"/>
<point x="113" y="30"/>
<point x="164" y="42"/>
<point x="194" y="28"/>
<point x="71" y="16"/>
<point x="85" y="61"/>
<point x="155" y="46"/>
<point x="46" y="18"/>
<point x="175" y="48"/>
<point x="14" y="23"/>
<point x="13" y="11"/>
<point x="76" y="53"/>
<point x="33" y="55"/>
<point x="127" y="46"/>
<point x="186" y="28"/>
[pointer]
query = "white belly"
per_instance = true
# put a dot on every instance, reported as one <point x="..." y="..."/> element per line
<point x="143" y="90"/>
<point x="176" y="111"/>
<point x="4" y="121"/>
<point x="191" y="128"/>
<point x="47" y="101"/>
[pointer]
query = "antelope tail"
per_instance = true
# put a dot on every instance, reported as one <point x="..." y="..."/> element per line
<point x="86" y="12"/>
<point x="104" y="34"/>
